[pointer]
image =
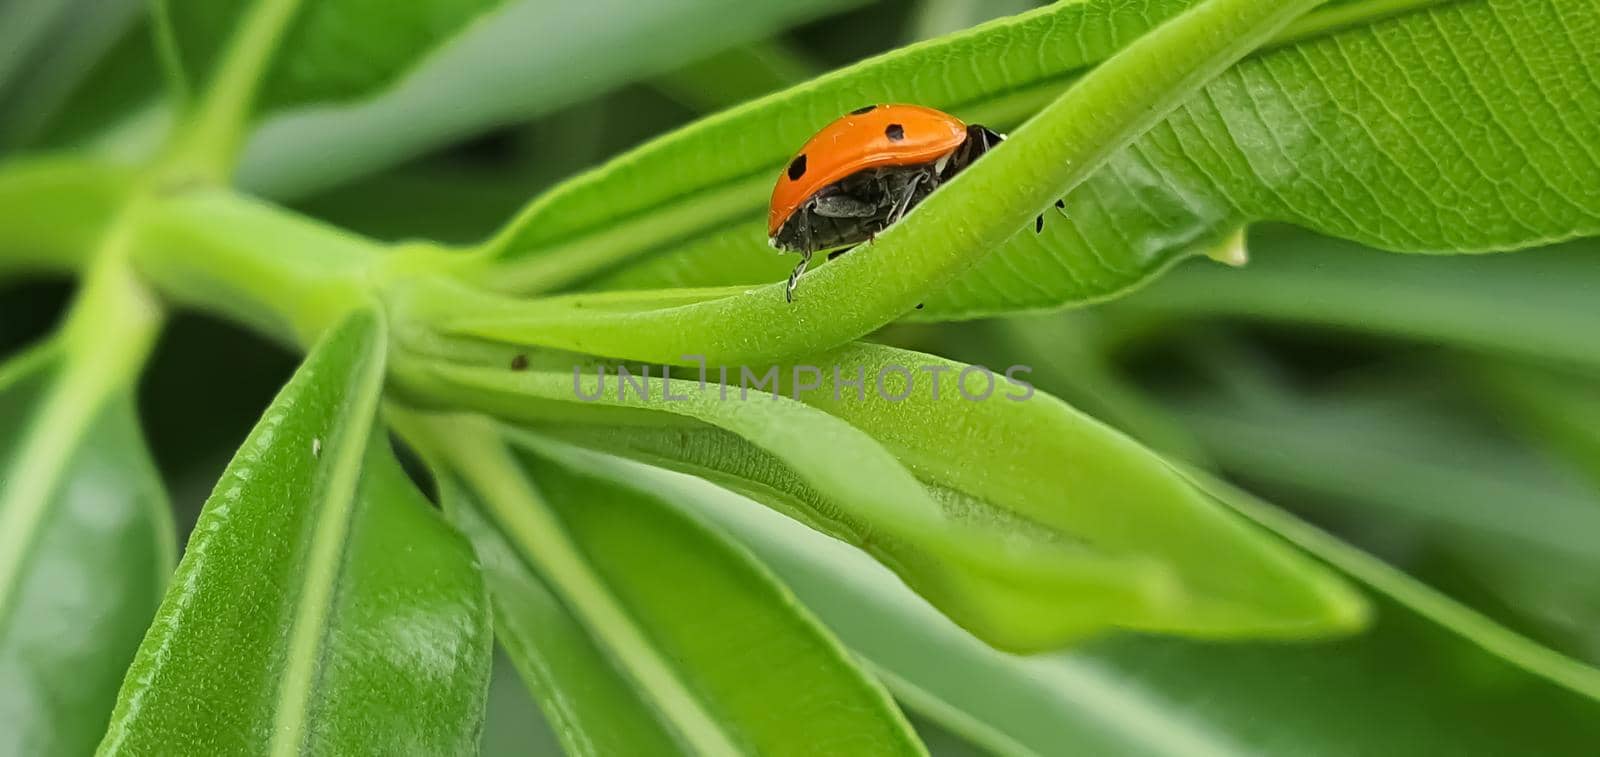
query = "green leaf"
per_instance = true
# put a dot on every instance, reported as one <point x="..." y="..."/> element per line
<point x="1140" y="695"/>
<point x="116" y="107"/>
<point x="1020" y="546"/>
<point x="472" y="85"/>
<point x="327" y="51"/>
<point x="86" y="545"/>
<point x="640" y="630"/>
<point x="1034" y="456"/>
<point x="951" y="230"/>
<point x="1536" y="304"/>
<point x="1310" y="132"/>
<point x="1067" y="359"/>
<point x="82" y="32"/>
<point x="232" y="62"/>
<point x="321" y="605"/>
<point x="994" y="575"/>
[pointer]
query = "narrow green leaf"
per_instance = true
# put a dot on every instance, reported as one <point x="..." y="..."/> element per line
<point x="1537" y="304"/>
<point x="117" y="108"/>
<point x="589" y="575"/>
<point x="1403" y="84"/>
<point x="84" y="33"/>
<point x="1067" y="359"/>
<point x="1112" y="538"/>
<point x="954" y="228"/>
<point x="321" y="605"/>
<point x="79" y="497"/>
<point x="1036" y="457"/>
<point x="1133" y="695"/>
<point x="1006" y="580"/>
<point x="88" y="544"/>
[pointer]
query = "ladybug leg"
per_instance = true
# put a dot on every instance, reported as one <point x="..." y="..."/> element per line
<point x="806" y="251"/>
<point x="903" y="205"/>
<point x="794" y="276"/>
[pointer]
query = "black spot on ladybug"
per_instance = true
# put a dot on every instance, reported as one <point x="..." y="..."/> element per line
<point x="1061" y="204"/>
<point x="863" y="109"/>
<point x="797" y="169"/>
<point x="895" y="132"/>
<point x="1038" y="224"/>
<point x="519" y="363"/>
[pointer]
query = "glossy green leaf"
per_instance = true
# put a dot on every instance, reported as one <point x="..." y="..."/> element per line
<point x="1066" y="358"/>
<point x="1536" y="304"/>
<point x="321" y="605"/>
<point x="1486" y="143"/>
<point x="472" y="85"/>
<point x="994" y="527"/>
<point x="1036" y="457"/>
<point x="640" y="630"/>
<point x="86" y="545"/>
<point x="950" y="231"/>
<point x="1007" y="582"/>
<point x="1430" y="675"/>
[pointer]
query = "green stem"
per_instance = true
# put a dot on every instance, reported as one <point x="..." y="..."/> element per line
<point x="206" y="147"/>
<point x="269" y="269"/>
<point x="472" y="448"/>
<point x="109" y="332"/>
<point x="54" y="212"/>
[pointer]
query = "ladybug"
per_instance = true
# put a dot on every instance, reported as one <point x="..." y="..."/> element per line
<point x="862" y="173"/>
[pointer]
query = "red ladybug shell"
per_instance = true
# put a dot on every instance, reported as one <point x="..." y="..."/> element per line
<point x="870" y="137"/>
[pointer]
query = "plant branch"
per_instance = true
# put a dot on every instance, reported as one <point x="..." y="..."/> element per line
<point x="207" y="145"/>
<point x="108" y="334"/>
